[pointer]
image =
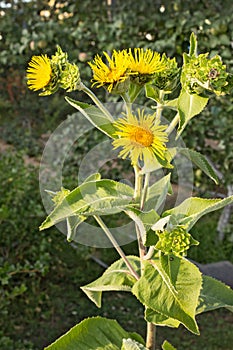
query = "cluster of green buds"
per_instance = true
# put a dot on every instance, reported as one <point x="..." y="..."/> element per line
<point x="201" y="74"/>
<point x="66" y="74"/>
<point x="50" y="74"/>
<point x="175" y="241"/>
<point x="169" y="78"/>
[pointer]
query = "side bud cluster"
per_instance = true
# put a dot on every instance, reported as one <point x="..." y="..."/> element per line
<point x="201" y="74"/>
<point x="176" y="241"/>
<point x="67" y="74"/>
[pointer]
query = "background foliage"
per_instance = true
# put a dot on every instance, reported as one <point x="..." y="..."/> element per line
<point x="37" y="269"/>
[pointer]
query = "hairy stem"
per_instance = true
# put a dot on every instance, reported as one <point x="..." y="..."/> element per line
<point x="144" y="190"/>
<point x="116" y="246"/>
<point x="173" y="124"/>
<point x="150" y="336"/>
<point x="138" y="183"/>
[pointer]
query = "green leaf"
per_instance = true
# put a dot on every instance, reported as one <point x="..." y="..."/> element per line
<point x="93" y="177"/>
<point x="158" y="164"/>
<point x="134" y="91"/>
<point x="144" y="221"/>
<point x="96" y="333"/>
<point x="94" y="115"/>
<point x="167" y="346"/>
<point x="188" y="107"/>
<point x="72" y="223"/>
<point x="192" y="209"/>
<point x="101" y="197"/>
<point x="193" y="45"/>
<point x="157" y="193"/>
<point x="129" y="344"/>
<point x="152" y="92"/>
<point x="157" y="291"/>
<point x="199" y="160"/>
<point x="160" y="320"/>
<point x="214" y="294"/>
<point x="116" y="278"/>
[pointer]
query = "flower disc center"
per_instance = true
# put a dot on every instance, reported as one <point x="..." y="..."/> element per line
<point x="143" y="137"/>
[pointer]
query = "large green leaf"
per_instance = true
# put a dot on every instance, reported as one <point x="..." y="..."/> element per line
<point x="116" y="278"/>
<point x="169" y="292"/>
<point x="157" y="193"/>
<point x="95" y="333"/>
<point x="99" y="197"/>
<point x="192" y="209"/>
<point x="188" y="107"/>
<point x="199" y="160"/>
<point x="94" y="115"/>
<point x="214" y="294"/>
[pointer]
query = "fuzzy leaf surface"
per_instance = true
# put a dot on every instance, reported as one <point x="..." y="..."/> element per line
<point x="94" y="115"/>
<point x="96" y="333"/>
<point x="171" y="292"/>
<point x="214" y="294"/>
<point x="192" y="209"/>
<point x="101" y="197"/>
<point x="189" y="105"/>
<point x="116" y="278"/>
<point x="201" y="162"/>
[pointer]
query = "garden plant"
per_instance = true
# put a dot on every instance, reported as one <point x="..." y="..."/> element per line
<point x="169" y="286"/>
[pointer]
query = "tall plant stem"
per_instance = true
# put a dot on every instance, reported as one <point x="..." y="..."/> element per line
<point x="137" y="197"/>
<point x="145" y="190"/>
<point x="141" y="193"/>
<point x="150" y="336"/>
<point x="138" y="183"/>
<point x="97" y="102"/>
<point x="116" y="246"/>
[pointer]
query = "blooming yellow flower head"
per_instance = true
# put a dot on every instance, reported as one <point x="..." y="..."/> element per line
<point x="143" y="64"/>
<point x="50" y="74"/>
<point x="112" y="74"/>
<point x="39" y="72"/>
<point x="141" y="137"/>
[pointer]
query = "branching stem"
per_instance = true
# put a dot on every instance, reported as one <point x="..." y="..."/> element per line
<point x="116" y="245"/>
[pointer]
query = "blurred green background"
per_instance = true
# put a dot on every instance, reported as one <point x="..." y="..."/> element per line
<point x="40" y="273"/>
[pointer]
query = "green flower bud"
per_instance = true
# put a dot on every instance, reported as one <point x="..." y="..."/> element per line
<point x="66" y="74"/>
<point x="168" y="79"/>
<point x="177" y="241"/>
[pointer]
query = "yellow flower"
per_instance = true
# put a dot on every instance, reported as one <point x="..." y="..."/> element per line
<point x="145" y="62"/>
<point x="112" y="73"/>
<point x="39" y="72"/>
<point x="142" y="138"/>
<point x="50" y="74"/>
